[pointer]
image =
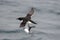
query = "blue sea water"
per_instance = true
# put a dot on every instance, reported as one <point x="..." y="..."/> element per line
<point x="47" y="15"/>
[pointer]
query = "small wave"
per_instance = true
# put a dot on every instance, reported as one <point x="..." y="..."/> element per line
<point x="6" y="39"/>
<point x="10" y="39"/>
<point x="12" y="31"/>
<point x="58" y="13"/>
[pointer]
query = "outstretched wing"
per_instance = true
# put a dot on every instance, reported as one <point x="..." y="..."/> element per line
<point x="30" y="12"/>
<point x="33" y="22"/>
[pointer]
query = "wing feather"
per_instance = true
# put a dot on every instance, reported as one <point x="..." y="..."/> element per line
<point x="33" y="22"/>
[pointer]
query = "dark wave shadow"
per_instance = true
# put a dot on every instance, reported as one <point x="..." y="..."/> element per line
<point x="58" y="13"/>
<point x="6" y="39"/>
<point x="12" y="31"/>
<point x="51" y="11"/>
<point x="39" y="33"/>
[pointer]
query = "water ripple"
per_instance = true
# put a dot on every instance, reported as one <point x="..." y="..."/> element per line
<point x="12" y="31"/>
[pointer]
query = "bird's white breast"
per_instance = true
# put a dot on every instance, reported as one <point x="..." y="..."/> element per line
<point x="26" y="27"/>
<point x="26" y="30"/>
<point x="29" y="22"/>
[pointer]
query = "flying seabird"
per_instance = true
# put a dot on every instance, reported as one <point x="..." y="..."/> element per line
<point x="27" y="18"/>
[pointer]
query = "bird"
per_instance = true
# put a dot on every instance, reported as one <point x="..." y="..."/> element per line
<point x="27" y="18"/>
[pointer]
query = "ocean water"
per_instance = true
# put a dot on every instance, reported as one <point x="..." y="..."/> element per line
<point x="47" y="16"/>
